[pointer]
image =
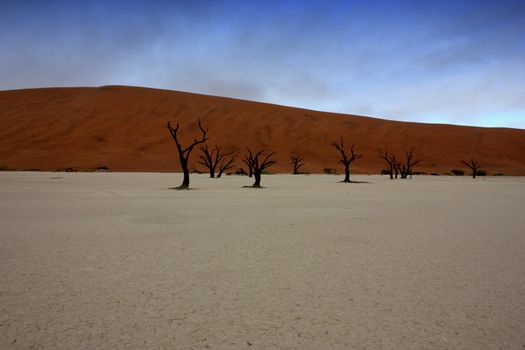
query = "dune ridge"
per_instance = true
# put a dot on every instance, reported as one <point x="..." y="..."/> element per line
<point x="123" y="128"/>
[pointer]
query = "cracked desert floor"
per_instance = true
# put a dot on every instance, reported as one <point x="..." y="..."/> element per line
<point x="119" y="261"/>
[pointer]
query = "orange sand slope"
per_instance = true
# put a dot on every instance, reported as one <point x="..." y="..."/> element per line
<point x="123" y="128"/>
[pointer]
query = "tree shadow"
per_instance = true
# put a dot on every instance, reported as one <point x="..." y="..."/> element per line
<point x="252" y="186"/>
<point x="354" y="182"/>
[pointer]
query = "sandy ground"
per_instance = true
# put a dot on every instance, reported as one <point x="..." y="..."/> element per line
<point x="118" y="261"/>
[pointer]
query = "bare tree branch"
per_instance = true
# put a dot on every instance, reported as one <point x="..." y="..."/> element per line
<point x="227" y="163"/>
<point x="184" y="153"/>
<point x="257" y="166"/>
<point x="297" y="163"/>
<point x="407" y="167"/>
<point x="345" y="160"/>
<point x="474" y="165"/>
<point x="391" y="162"/>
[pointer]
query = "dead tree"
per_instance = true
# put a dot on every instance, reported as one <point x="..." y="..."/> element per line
<point x="212" y="159"/>
<point x="257" y="165"/>
<point x="227" y="162"/>
<point x="473" y="165"/>
<point x="184" y="153"/>
<point x="397" y="166"/>
<point x="345" y="159"/>
<point x="297" y="162"/>
<point x="406" y="167"/>
<point x="248" y="163"/>
<point x="392" y="163"/>
<point x="209" y="159"/>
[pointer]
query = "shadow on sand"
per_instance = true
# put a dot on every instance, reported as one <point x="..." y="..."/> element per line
<point x="353" y="182"/>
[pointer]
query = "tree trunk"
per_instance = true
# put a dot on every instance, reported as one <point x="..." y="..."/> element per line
<point x="186" y="180"/>
<point x="473" y="174"/>
<point x="257" y="176"/>
<point x="391" y="174"/>
<point x="347" y="173"/>
<point x="184" y="153"/>
<point x="212" y="173"/>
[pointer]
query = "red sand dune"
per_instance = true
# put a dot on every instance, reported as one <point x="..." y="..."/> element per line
<point x="124" y="128"/>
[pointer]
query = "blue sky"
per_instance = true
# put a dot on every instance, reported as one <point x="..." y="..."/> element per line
<point x="460" y="62"/>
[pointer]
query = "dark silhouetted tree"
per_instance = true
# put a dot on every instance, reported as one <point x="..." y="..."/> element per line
<point x="227" y="162"/>
<point x="406" y="167"/>
<point x="473" y="165"/>
<point x="392" y="163"/>
<point x="212" y="159"/>
<point x="297" y="162"/>
<point x="209" y="159"/>
<point x="346" y="160"/>
<point x="248" y="163"/>
<point x="397" y="166"/>
<point x="184" y="153"/>
<point x="257" y="164"/>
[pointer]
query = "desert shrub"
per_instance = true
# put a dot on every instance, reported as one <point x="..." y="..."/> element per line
<point x="481" y="173"/>
<point x="67" y="170"/>
<point x="98" y="169"/>
<point x="458" y="172"/>
<point x="385" y="172"/>
<point x="434" y="174"/>
<point x="446" y="173"/>
<point x="499" y="174"/>
<point x="329" y="171"/>
<point x="5" y="168"/>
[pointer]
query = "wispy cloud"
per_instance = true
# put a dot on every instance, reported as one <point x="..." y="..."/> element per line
<point x="455" y="62"/>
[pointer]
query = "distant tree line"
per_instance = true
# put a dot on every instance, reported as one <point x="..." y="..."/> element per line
<point x="217" y="162"/>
